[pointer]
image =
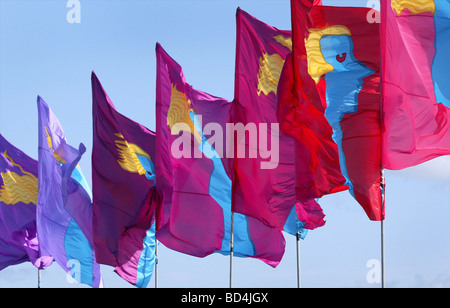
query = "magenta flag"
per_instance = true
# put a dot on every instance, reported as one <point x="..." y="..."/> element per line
<point x="264" y="185"/>
<point x="265" y="177"/>
<point x="416" y="75"/>
<point x="194" y="174"/>
<point x="123" y="182"/>
<point x="18" y="200"/>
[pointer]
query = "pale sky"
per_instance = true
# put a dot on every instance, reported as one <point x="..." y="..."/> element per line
<point x="42" y="54"/>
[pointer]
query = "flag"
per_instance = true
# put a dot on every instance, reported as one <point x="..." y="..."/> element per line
<point x="264" y="173"/>
<point x="195" y="176"/>
<point x="300" y="113"/>
<point x="337" y="83"/>
<point x="64" y="207"/>
<point x="416" y="72"/>
<point x="18" y="199"/>
<point x="309" y="214"/>
<point x="123" y="181"/>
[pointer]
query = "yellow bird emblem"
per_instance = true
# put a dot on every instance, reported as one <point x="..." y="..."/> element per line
<point x="18" y="188"/>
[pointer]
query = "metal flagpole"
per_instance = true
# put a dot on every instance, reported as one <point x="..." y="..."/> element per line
<point x="231" y="249"/>
<point x="298" y="260"/>
<point x="382" y="254"/>
<point x="156" y="262"/>
<point x="39" y="278"/>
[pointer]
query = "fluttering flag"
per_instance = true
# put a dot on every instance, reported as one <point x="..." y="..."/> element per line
<point x="18" y="200"/>
<point x="416" y="74"/>
<point x="337" y="83"/>
<point x="64" y="206"/>
<point x="264" y="167"/>
<point x="194" y="172"/>
<point x="300" y="113"/>
<point x="309" y="214"/>
<point x="123" y="181"/>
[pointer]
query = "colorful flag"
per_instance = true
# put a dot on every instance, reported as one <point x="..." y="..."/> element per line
<point x="307" y="210"/>
<point x="64" y="207"/>
<point x="264" y="173"/>
<point x="300" y="112"/>
<point x="337" y="84"/>
<point x="194" y="174"/>
<point x="18" y="199"/>
<point x="123" y="181"/>
<point x="416" y="73"/>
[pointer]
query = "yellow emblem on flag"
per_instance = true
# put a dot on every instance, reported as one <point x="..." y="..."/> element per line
<point x="50" y="146"/>
<point x="285" y="41"/>
<point x="179" y="113"/>
<point x="317" y="66"/>
<point x="269" y="73"/>
<point x="414" y="6"/>
<point x="18" y="188"/>
<point x="129" y="152"/>
<point x="270" y="67"/>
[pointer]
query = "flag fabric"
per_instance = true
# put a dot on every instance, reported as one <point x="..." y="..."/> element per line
<point x="123" y="180"/>
<point x="308" y="211"/>
<point x="18" y="200"/>
<point x="64" y="207"/>
<point x="195" y="176"/>
<point x="341" y="50"/>
<point x="300" y="113"/>
<point x="416" y="98"/>
<point x="264" y="176"/>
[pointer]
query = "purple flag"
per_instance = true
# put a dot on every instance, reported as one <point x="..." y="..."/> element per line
<point x="123" y="184"/>
<point x="195" y="177"/>
<point x="64" y="207"/>
<point x="18" y="199"/>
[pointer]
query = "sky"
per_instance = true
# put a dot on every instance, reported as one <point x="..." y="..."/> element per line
<point x="41" y="53"/>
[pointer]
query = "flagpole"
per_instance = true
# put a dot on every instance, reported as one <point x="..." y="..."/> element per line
<point x="382" y="254"/>
<point x="39" y="279"/>
<point x="156" y="263"/>
<point x="298" y="260"/>
<point x="382" y="227"/>
<point x="231" y="249"/>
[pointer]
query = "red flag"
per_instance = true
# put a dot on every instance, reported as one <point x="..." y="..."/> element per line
<point x="336" y="117"/>
<point x="301" y="116"/>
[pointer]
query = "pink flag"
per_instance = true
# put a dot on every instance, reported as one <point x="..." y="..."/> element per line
<point x="416" y="75"/>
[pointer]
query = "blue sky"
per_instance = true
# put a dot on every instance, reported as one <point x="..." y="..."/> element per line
<point x="42" y="54"/>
